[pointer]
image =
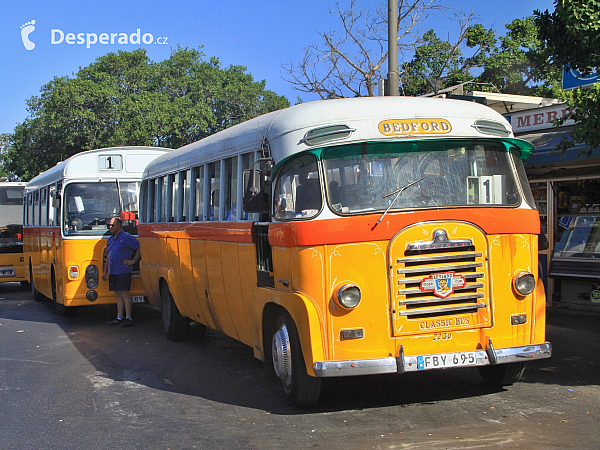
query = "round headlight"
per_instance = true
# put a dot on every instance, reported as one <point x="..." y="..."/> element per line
<point x="91" y="283"/>
<point x="92" y="270"/>
<point x="348" y="296"/>
<point x="92" y="296"/>
<point x="524" y="283"/>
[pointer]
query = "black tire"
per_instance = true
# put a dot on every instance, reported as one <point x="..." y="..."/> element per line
<point x="301" y="390"/>
<point x="61" y="309"/>
<point x="176" y="326"/>
<point x="24" y="284"/>
<point x="197" y="330"/>
<point x="502" y="374"/>
<point x="37" y="295"/>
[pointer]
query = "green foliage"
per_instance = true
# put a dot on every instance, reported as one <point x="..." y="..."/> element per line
<point x="519" y="64"/>
<point x="125" y="98"/>
<point x="516" y="63"/>
<point x="572" y="35"/>
<point x="435" y="59"/>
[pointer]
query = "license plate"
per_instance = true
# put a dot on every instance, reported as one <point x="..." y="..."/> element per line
<point x="443" y="360"/>
<point x="138" y="298"/>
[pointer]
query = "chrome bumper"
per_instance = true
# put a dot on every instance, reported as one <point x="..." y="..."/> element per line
<point x="402" y="364"/>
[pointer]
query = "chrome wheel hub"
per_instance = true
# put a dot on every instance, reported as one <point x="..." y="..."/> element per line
<point x="282" y="357"/>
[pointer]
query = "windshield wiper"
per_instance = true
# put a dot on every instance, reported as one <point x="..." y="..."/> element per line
<point x="397" y="192"/>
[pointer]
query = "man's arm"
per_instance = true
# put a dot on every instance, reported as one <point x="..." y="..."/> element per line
<point x="136" y="258"/>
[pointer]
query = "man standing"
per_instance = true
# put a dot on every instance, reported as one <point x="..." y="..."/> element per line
<point x="122" y="252"/>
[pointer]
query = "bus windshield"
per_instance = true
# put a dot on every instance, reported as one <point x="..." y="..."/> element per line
<point x="11" y="228"/>
<point x="369" y="177"/>
<point x="88" y="207"/>
<point x="11" y="203"/>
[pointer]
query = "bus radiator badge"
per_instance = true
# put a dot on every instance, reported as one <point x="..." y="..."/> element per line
<point x="443" y="284"/>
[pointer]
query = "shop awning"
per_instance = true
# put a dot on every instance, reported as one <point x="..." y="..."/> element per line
<point x="545" y="148"/>
<point x="566" y="174"/>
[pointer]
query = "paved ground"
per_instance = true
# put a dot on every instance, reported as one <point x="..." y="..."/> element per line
<point x="76" y="382"/>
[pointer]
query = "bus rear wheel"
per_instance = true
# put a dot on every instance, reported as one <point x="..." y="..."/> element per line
<point x="37" y="295"/>
<point x="502" y="374"/>
<point x="300" y="389"/>
<point x="61" y="309"/>
<point x="175" y="325"/>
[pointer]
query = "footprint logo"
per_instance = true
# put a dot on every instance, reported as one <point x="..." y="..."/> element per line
<point x="26" y="30"/>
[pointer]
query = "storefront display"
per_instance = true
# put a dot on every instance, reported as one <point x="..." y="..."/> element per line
<point x="566" y="189"/>
<point x="573" y="228"/>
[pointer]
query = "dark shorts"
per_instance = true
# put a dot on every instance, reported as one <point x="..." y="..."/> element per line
<point x="120" y="282"/>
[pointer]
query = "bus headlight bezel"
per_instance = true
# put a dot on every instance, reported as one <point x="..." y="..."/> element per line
<point x="348" y="296"/>
<point x="524" y="283"/>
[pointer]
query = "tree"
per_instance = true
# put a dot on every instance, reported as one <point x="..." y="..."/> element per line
<point x="350" y="63"/>
<point x="4" y="143"/>
<point x="437" y="62"/>
<point x="125" y="99"/>
<point x="519" y="64"/>
<point x="514" y="64"/>
<point x="572" y="35"/>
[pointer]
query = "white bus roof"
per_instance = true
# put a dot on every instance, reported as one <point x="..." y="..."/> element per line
<point x="286" y="129"/>
<point x="85" y="165"/>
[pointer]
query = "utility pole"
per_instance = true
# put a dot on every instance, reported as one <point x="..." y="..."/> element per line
<point x="392" y="85"/>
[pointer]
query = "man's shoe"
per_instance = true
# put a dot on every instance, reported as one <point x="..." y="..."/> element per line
<point x="127" y="323"/>
<point x="116" y="322"/>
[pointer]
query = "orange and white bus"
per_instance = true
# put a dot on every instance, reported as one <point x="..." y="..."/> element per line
<point x="372" y="235"/>
<point x="66" y="215"/>
<point x="13" y="267"/>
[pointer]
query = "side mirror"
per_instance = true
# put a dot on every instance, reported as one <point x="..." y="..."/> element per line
<point x="257" y="183"/>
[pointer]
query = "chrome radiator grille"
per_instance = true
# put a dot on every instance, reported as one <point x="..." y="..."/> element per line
<point x="414" y="269"/>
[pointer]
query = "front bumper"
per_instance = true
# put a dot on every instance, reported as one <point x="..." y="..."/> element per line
<point x="402" y="364"/>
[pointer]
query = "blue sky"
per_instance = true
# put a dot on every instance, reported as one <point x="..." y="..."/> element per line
<point x="261" y="35"/>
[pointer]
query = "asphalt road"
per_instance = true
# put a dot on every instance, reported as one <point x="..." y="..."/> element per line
<point x="76" y="382"/>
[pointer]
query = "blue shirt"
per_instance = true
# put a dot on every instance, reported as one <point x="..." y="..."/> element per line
<point x="120" y="247"/>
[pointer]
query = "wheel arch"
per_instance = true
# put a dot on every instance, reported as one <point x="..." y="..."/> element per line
<point x="161" y="281"/>
<point x="307" y="319"/>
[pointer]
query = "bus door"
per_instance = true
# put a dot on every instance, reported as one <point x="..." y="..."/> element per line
<point x="257" y="200"/>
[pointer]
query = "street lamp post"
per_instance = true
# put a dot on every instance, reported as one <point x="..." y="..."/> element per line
<point x="392" y="85"/>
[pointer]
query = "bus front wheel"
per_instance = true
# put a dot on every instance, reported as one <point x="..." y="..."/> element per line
<point x="502" y="374"/>
<point x="301" y="389"/>
<point x="175" y="325"/>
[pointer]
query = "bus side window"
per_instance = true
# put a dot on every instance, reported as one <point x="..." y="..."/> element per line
<point x="151" y="216"/>
<point x="247" y="164"/>
<point x="51" y="204"/>
<point x="230" y="187"/>
<point x="298" y="189"/>
<point x="183" y="192"/>
<point x="214" y="173"/>
<point x="36" y="208"/>
<point x="171" y="198"/>
<point x="44" y="207"/>
<point x="198" y="193"/>
<point x="162" y="211"/>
